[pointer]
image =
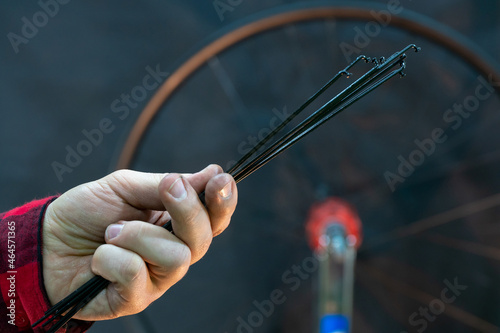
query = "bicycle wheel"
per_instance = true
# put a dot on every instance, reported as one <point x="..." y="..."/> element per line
<point x="418" y="160"/>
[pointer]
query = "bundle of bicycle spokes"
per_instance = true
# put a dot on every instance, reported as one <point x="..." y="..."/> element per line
<point x="381" y="71"/>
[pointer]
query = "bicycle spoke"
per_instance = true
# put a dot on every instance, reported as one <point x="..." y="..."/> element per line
<point x="387" y="281"/>
<point x="440" y="219"/>
<point x="381" y="72"/>
<point x="231" y="92"/>
<point x="478" y="249"/>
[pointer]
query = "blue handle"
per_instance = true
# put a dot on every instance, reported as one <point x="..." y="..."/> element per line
<point x="334" y="324"/>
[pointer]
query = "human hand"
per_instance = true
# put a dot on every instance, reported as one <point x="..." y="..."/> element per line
<point x="112" y="227"/>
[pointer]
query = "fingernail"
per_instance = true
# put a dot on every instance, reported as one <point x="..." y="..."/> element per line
<point x="114" y="230"/>
<point x="226" y="190"/>
<point x="177" y="189"/>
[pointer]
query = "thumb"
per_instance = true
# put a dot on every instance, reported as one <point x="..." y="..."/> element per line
<point x="138" y="189"/>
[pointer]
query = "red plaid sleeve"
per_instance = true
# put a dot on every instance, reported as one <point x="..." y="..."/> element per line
<point x="24" y="299"/>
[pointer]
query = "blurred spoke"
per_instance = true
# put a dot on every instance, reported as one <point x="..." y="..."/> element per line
<point x="420" y="296"/>
<point x="436" y="220"/>
<point x="231" y="92"/>
<point x="466" y="246"/>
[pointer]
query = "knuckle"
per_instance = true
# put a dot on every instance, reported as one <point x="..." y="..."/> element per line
<point x="132" y="268"/>
<point x="120" y="174"/>
<point x="201" y="248"/>
<point x="190" y="216"/>
<point x="218" y="169"/>
<point x="221" y="227"/>
<point x="138" y="230"/>
<point x="132" y="233"/>
<point x="177" y="264"/>
<point x="180" y="257"/>
<point x="205" y="245"/>
<point x="118" y="181"/>
<point x="97" y="259"/>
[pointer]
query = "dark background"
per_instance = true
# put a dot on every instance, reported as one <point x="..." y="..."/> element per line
<point x="65" y="79"/>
